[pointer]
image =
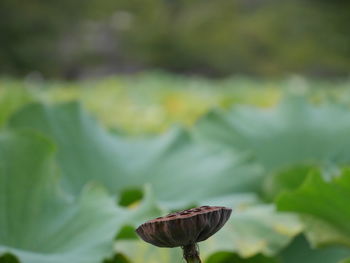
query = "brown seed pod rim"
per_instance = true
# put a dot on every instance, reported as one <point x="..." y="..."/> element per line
<point x="187" y="213"/>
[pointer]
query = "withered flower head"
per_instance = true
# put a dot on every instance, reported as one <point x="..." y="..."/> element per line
<point x="185" y="228"/>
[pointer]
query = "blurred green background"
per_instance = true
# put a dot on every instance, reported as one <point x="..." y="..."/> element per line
<point x="116" y="112"/>
<point x="73" y="39"/>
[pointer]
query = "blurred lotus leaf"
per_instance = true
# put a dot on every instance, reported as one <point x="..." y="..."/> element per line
<point x="87" y="152"/>
<point x="41" y="223"/>
<point x="301" y="251"/>
<point x="62" y="214"/>
<point x="325" y="205"/>
<point x="296" y="132"/>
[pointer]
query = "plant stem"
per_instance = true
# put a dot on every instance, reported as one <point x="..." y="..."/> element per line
<point x="191" y="254"/>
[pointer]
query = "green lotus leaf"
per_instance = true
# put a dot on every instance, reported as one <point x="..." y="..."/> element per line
<point x="294" y="132"/>
<point x="301" y="251"/>
<point x="180" y="172"/>
<point x="255" y="230"/>
<point x="325" y="206"/>
<point x="39" y="223"/>
<point x="298" y="251"/>
<point x="227" y="257"/>
<point x="286" y="179"/>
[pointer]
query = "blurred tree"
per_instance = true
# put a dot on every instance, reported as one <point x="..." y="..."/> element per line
<point x="30" y="31"/>
<point x="262" y="37"/>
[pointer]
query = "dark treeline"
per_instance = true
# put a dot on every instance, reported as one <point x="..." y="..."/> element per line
<point x="92" y="37"/>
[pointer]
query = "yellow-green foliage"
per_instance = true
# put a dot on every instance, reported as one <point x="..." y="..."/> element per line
<point x="153" y="102"/>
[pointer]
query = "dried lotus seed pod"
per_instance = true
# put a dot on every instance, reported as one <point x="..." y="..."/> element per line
<point x="185" y="229"/>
